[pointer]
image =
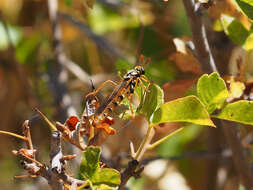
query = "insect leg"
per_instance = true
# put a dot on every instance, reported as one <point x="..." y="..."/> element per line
<point x="104" y="83"/>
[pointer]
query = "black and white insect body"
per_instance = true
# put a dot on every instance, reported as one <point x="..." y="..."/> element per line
<point x="125" y="89"/>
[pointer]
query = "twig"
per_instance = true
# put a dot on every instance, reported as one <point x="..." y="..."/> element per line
<point x="27" y="134"/>
<point x="206" y="60"/>
<point x="59" y="177"/>
<point x="128" y="172"/>
<point x="199" y="38"/>
<point x="133" y="164"/>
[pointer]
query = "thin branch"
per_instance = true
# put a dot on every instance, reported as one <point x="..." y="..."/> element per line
<point x="128" y="172"/>
<point x="199" y="38"/>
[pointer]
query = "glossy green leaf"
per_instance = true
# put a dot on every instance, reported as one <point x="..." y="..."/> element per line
<point x="240" y="111"/>
<point x="187" y="109"/>
<point x="212" y="91"/>
<point x="234" y="29"/>
<point x="151" y="101"/>
<point x="99" y="178"/>
<point x="246" y="7"/>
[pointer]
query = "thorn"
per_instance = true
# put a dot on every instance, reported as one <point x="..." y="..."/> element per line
<point x="132" y="151"/>
<point x="25" y="176"/>
<point x="68" y="157"/>
<point x="51" y="125"/>
<point x="15" y="152"/>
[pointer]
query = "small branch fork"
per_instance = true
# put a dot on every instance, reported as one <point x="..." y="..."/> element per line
<point x="55" y="173"/>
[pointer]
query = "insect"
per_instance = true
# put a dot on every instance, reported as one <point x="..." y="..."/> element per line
<point x="125" y="89"/>
<point x="88" y="126"/>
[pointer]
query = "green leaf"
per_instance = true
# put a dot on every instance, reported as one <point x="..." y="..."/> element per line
<point x="212" y="91"/>
<point x="107" y="176"/>
<point x="248" y="45"/>
<point x="236" y="88"/>
<point x="151" y="101"/>
<point x="234" y="29"/>
<point x="187" y="109"/>
<point x="15" y="36"/>
<point x="104" y="178"/>
<point x="90" y="162"/>
<point x="240" y="111"/>
<point x="246" y="7"/>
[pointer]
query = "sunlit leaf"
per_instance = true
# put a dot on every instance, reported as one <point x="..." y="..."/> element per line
<point x="217" y="26"/>
<point x="234" y="29"/>
<point x="248" y="45"/>
<point x="236" y="88"/>
<point x="107" y="176"/>
<point x="246" y="7"/>
<point x="100" y="178"/>
<point x="212" y="91"/>
<point x="187" y="109"/>
<point x="240" y="111"/>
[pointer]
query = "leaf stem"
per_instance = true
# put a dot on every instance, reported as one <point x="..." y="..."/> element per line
<point x="164" y="138"/>
<point x="82" y="186"/>
<point x="13" y="134"/>
<point x="140" y="149"/>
